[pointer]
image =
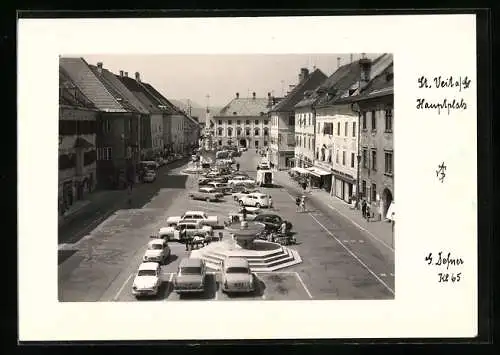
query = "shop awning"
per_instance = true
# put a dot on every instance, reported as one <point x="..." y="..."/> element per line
<point x="300" y="170"/>
<point x="318" y="172"/>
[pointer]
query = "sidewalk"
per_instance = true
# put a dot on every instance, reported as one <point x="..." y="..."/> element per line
<point x="378" y="230"/>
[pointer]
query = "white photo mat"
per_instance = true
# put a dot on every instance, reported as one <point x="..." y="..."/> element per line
<point x="431" y="216"/>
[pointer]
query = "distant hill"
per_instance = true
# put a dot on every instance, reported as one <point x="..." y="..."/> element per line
<point x="197" y="110"/>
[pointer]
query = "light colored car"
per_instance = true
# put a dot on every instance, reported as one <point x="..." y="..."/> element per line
<point x="219" y="187"/>
<point x="237" y="276"/>
<point x="255" y="199"/>
<point x="238" y="195"/>
<point x="240" y="179"/>
<point x="197" y="216"/>
<point x="147" y="281"/>
<point x="207" y="194"/>
<point x="252" y="212"/>
<point x="158" y="251"/>
<point x="190" y="276"/>
<point x="192" y="228"/>
<point x="149" y="176"/>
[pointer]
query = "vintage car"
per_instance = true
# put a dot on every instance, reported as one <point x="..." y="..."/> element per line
<point x="243" y="192"/>
<point x="147" y="281"/>
<point x="237" y="276"/>
<point x="206" y="194"/>
<point x="196" y="216"/>
<point x="264" y="178"/>
<point x="221" y="187"/>
<point x="252" y="212"/>
<point x="149" y="176"/>
<point x="158" y="251"/>
<point x="272" y="221"/>
<point x="240" y="179"/>
<point x="204" y="181"/>
<point x="190" y="276"/>
<point x="256" y="199"/>
<point x="192" y="228"/>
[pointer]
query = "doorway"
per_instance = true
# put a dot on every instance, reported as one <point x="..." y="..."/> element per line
<point x="387" y="199"/>
<point x="243" y="143"/>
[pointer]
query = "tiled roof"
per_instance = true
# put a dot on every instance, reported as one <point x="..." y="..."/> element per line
<point x="81" y="74"/>
<point x="144" y="97"/>
<point x="70" y="94"/>
<point x="245" y="107"/>
<point x="315" y="79"/>
<point x="170" y="107"/>
<point x="124" y="92"/>
<point x="111" y="88"/>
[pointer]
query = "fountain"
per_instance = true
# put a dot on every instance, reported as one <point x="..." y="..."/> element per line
<point x="262" y="255"/>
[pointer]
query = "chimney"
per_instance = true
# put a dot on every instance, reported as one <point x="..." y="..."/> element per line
<point x="304" y="74"/>
<point x="253" y="95"/>
<point x="99" y="67"/>
<point x="137" y="76"/>
<point x="269" y="99"/>
<point x="237" y="95"/>
<point x="338" y="62"/>
<point x="121" y="73"/>
<point x="365" y="65"/>
<point x="126" y="74"/>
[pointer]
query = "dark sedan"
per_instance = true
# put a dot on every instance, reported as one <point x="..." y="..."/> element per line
<point x="271" y="221"/>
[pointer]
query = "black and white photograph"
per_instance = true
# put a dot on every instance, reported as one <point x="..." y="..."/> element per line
<point x="247" y="173"/>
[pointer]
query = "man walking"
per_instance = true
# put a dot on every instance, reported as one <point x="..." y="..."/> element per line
<point x="270" y="202"/>
<point x="303" y="203"/>
<point x="363" y="208"/>
<point x="244" y="213"/>
<point x="238" y="166"/>
<point x="297" y="203"/>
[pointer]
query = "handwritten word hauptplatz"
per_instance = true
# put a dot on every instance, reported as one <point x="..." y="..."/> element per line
<point x="445" y="104"/>
<point x="444" y="82"/>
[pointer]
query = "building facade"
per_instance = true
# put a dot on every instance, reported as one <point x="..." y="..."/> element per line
<point x="376" y="106"/>
<point x="283" y="120"/>
<point x="243" y="122"/>
<point x="77" y="144"/>
<point x="118" y="133"/>
<point x="305" y="135"/>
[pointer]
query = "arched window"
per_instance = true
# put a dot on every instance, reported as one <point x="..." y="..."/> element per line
<point x="266" y="131"/>
<point x="247" y="131"/>
<point x="220" y="132"/>
<point x="238" y="131"/>
<point x="256" y="132"/>
<point x="229" y="132"/>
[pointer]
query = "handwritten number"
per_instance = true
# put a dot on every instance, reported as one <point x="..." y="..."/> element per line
<point x="458" y="276"/>
<point x="428" y="258"/>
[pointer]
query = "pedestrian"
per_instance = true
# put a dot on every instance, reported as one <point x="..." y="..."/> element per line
<point x="238" y="166"/>
<point x="183" y="237"/>
<point x="220" y="236"/>
<point x="368" y="213"/>
<point x="244" y="213"/>
<point x="363" y="208"/>
<point x="297" y="203"/>
<point x="283" y="228"/>
<point x="270" y="201"/>
<point x="303" y="203"/>
<point x="304" y="185"/>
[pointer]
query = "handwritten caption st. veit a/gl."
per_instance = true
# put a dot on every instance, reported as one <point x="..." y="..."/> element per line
<point x="444" y="261"/>
<point x="448" y="104"/>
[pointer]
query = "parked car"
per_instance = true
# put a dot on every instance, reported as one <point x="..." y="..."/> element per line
<point x="158" y="251"/>
<point x="204" y="181"/>
<point x="149" y="176"/>
<point x="221" y="187"/>
<point x="240" y="179"/>
<point x="272" y="221"/>
<point x="190" y="276"/>
<point x="255" y="199"/>
<point x="192" y="229"/>
<point x="252" y="213"/>
<point x="264" y="177"/>
<point x="194" y="216"/>
<point x="207" y="194"/>
<point x="237" y="276"/>
<point x="245" y="191"/>
<point x="147" y="280"/>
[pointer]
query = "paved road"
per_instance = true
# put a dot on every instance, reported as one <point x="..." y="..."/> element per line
<point x="331" y="268"/>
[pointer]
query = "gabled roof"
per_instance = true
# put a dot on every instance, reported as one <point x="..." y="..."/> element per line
<point x="122" y="90"/>
<point x="81" y="74"/>
<point x="324" y="87"/>
<point x="315" y="79"/>
<point x="245" y="107"/>
<point x="70" y="94"/>
<point x="347" y="88"/>
<point x="142" y="94"/>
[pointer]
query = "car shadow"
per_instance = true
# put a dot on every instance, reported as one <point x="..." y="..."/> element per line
<point x="207" y="294"/>
<point x="164" y="291"/>
<point x="260" y="287"/>
<point x="171" y="258"/>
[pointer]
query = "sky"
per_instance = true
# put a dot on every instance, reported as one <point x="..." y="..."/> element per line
<point x="220" y="77"/>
